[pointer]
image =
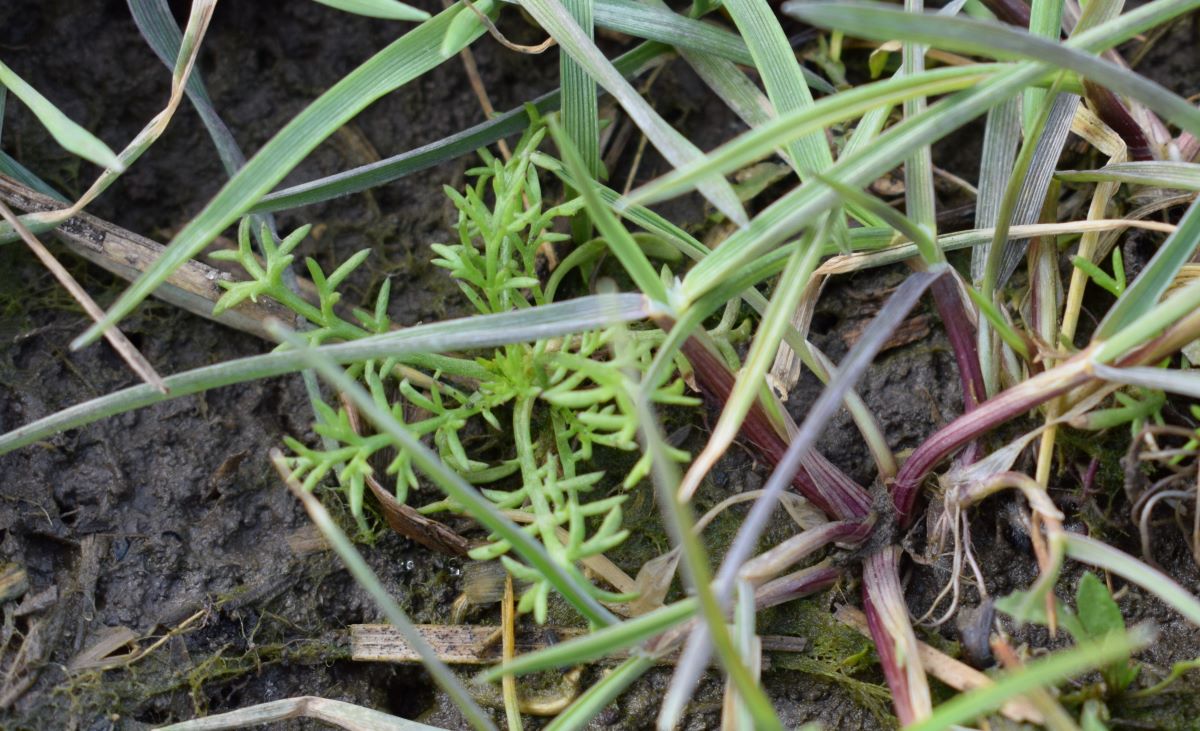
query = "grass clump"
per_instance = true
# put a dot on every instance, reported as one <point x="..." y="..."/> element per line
<point x="506" y="411"/>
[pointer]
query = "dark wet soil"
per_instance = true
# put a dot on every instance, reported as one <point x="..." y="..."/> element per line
<point x="171" y="518"/>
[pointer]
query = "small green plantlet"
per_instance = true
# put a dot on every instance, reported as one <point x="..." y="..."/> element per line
<point x="533" y="411"/>
<point x="1115" y="284"/>
<point x="1099" y="615"/>
<point x="1134" y="408"/>
<point x="1095" y="617"/>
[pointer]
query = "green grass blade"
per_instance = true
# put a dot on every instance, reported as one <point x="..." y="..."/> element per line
<point x="597" y="644"/>
<point x="157" y="26"/>
<point x="1006" y="332"/>
<point x="1144" y="292"/>
<point x="968" y="35"/>
<point x="404" y="60"/>
<point x="677" y="150"/>
<point x="71" y="136"/>
<point x="1001" y="141"/>
<point x="1157" y="173"/>
<point x="615" y="236"/>
<point x="1045" y="21"/>
<point x="926" y="245"/>
<point x="780" y="71"/>
<point x="1001" y="137"/>
<point x="919" y="200"/>
<point x="750" y="378"/>
<point x="1183" y="382"/>
<point x="1024" y="195"/>
<point x="366" y="578"/>
<point x="1032" y="194"/>
<point x="595" y="698"/>
<point x="584" y="313"/>
<point x="765" y="139"/>
<point x="481" y="135"/>
<point x="385" y="9"/>
<point x="22" y="174"/>
<point x="580" y="113"/>
<point x="1045" y="673"/>
<point x="732" y="86"/>
<point x="1102" y="555"/>
<point x="655" y="22"/>
<point x="791" y="212"/>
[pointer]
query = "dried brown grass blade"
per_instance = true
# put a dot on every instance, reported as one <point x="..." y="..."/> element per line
<point x="136" y="361"/>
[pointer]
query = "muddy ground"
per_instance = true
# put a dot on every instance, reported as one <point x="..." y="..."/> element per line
<point x="171" y="516"/>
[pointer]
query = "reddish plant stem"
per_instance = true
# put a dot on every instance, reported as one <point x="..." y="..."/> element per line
<point x="796" y="585"/>
<point x="957" y="322"/>
<point x="1013" y="12"/>
<point x="883" y="595"/>
<point x="968" y="427"/>
<point x="1032" y="393"/>
<point x="1109" y="108"/>
<point x="818" y="480"/>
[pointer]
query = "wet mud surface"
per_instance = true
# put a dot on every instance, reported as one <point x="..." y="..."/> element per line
<point x="169" y="523"/>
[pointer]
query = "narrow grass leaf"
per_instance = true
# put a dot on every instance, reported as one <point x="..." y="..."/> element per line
<point x="1172" y="380"/>
<point x="969" y="35"/>
<point x="657" y="22"/>
<point x="596" y="698"/>
<point x="366" y="578"/>
<point x="554" y="18"/>
<point x="766" y="138"/>
<point x="597" y="644"/>
<point x="398" y="166"/>
<point x="1157" y="173"/>
<point x="580" y="115"/>
<point x="622" y="244"/>
<point x="1045" y="21"/>
<point x="1001" y="137"/>
<point x="780" y="71"/>
<point x="1049" y="672"/>
<point x="157" y="26"/>
<point x="71" y="136"/>
<point x="926" y="244"/>
<point x="1145" y="291"/>
<point x="407" y="58"/>
<point x="920" y="203"/>
<point x="385" y="9"/>
<point x="1101" y="555"/>
<point x="484" y="331"/>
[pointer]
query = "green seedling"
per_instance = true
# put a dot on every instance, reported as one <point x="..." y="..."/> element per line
<point x="1096" y="616"/>
<point x="524" y="420"/>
